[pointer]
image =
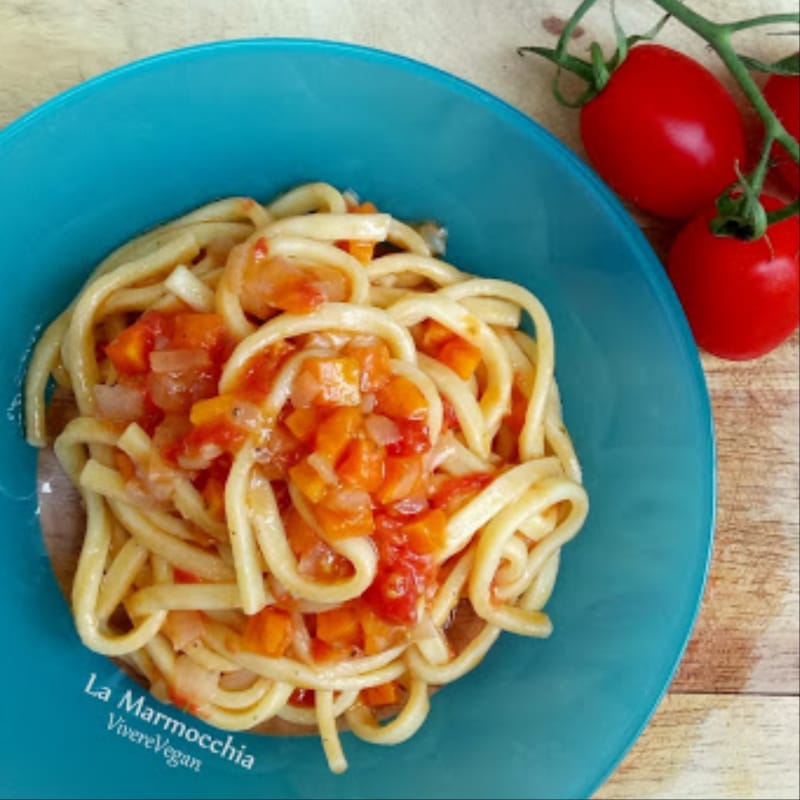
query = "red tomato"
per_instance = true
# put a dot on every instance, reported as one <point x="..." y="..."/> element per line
<point x="741" y="298"/>
<point x="664" y="132"/>
<point x="782" y="92"/>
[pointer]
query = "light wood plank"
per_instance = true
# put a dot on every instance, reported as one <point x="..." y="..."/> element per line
<point x="703" y="746"/>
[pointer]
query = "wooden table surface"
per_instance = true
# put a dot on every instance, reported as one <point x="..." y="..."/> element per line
<point x="728" y="727"/>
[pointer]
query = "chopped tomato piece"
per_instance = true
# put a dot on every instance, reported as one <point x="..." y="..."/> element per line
<point x="450" y="421"/>
<point x="269" y="632"/>
<point x="384" y="694"/>
<point x="308" y="481"/>
<point x="402" y="478"/>
<point x="323" y="652"/>
<point x="182" y="576"/>
<point x="414" y="438"/>
<point x="339" y="627"/>
<point x="461" y="356"/>
<point x="401" y="397"/>
<point x="262" y="368"/>
<point x="375" y="363"/>
<point x="363" y="465"/>
<point x="337" y="430"/>
<point x="515" y="419"/>
<point x="302" y="422"/>
<point x="454" y="491"/>
<point x="426" y="534"/>
<point x="303" y="698"/>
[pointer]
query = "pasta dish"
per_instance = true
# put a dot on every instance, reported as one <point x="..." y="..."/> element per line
<point x="322" y="468"/>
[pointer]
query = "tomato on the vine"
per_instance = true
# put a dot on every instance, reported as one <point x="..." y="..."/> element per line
<point x="740" y="297"/>
<point x="782" y="92"/>
<point x="664" y="133"/>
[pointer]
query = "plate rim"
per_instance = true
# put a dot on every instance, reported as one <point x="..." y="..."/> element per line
<point x="648" y="261"/>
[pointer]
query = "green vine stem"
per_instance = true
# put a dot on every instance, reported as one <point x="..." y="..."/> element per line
<point x="740" y="213"/>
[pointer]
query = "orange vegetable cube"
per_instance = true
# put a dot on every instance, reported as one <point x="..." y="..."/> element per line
<point x="300" y="535"/>
<point x="402" y="478"/>
<point x="124" y="465"/>
<point x="335" y="380"/>
<point x="384" y="694"/>
<point x="400" y="397"/>
<point x="374" y="361"/>
<point x="378" y="634"/>
<point x="434" y="335"/>
<point x="337" y="430"/>
<point x="302" y="422"/>
<point x="130" y="351"/>
<point x="362" y="251"/>
<point x="192" y="331"/>
<point x="339" y="627"/>
<point x="269" y="632"/>
<point x="367" y="207"/>
<point x="363" y="465"/>
<point x="212" y="409"/>
<point x="461" y="356"/>
<point x="308" y="481"/>
<point x="426" y="534"/>
<point x="214" y="496"/>
<point x="341" y="520"/>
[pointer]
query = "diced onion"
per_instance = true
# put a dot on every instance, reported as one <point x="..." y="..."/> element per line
<point x="347" y="500"/>
<point x="323" y="468"/>
<point x="194" y="683"/>
<point x="118" y="403"/>
<point x="179" y="360"/>
<point x="382" y="430"/>
<point x="435" y="236"/>
<point x="183" y="627"/>
<point x="237" y="681"/>
<point x="305" y="389"/>
<point x="201" y="459"/>
<point x="368" y="403"/>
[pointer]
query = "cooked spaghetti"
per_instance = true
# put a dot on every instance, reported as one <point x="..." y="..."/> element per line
<point x="305" y="444"/>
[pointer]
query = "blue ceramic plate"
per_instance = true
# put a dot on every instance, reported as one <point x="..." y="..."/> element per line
<point x="114" y="156"/>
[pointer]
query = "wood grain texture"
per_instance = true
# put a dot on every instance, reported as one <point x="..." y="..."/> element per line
<point x="713" y="736"/>
<point x="713" y="746"/>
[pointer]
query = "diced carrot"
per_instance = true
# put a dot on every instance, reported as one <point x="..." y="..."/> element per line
<point x="124" y="465"/>
<point x="269" y="632"/>
<point x="336" y="431"/>
<point x="402" y="478"/>
<point x="400" y="397"/>
<point x="308" y="481"/>
<point x="204" y="331"/>
<point x="367" y="207"/>
<point x="212" y="409"/>
<point x="335" y="380"/>
<point x="378" y="634"/>
<point x="461" y="356"/>
<point x="300" y="535"/>
<point x="322" y="652"/>
<point x="339" y="627"/>
<point x="130" y="350"/>
<point x="363" y="465"/>
<point x="384" y="694"/>
<point x="434" y="335"/>
<point x="426" y="534"/>
<point x="374" y="361"/>
<point x="214" y="495"/>
<point x="342" y="520"/>
<point x="361" y="251"/>
<point x="302" y="422"/>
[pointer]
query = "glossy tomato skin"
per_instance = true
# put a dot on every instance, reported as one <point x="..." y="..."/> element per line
<point x="664" y="133"/>
<point x="782" y="92"/>
<point x="741" y="298"/>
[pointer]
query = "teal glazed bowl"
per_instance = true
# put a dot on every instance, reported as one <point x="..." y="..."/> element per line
<point x="120" y="153"/>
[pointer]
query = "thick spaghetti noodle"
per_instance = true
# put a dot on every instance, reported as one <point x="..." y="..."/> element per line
<point x="304" y="444"/>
